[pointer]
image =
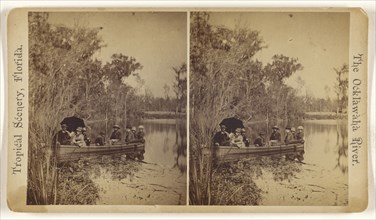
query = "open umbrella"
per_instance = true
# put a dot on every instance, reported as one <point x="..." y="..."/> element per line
<point x="232" y="124"/>
<point x="73" y="123"/>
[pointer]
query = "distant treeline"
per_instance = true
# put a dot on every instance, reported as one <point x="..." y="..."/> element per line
<point x="227" y="80"/>
<point x="163" y="115"/>
<point x="65" y="78"/>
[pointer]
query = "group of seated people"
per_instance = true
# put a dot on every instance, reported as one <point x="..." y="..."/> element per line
<point x="238" y="137"/>
<point x="80" y="138"/>
<point x="131" y="135"/>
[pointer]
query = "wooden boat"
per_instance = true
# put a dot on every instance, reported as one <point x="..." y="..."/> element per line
<point x="72" y="152"/>
<point x="230" y="153"/>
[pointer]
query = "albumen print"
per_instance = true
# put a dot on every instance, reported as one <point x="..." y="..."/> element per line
<point x="271" y="126"/>
<point x="102" y="129"/>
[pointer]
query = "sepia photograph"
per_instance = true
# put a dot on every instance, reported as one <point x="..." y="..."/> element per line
<point x="269" y="108"/>
<point x="187" y="110"/>
<point x="107" y="108"/>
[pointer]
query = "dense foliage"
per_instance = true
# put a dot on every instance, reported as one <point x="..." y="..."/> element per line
<point x="65" y="79"/>
<point x="226" y="80"/>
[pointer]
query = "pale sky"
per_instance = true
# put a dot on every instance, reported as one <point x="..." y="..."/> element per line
<point x="319" y="40"/>
<point x="157" y="40"/>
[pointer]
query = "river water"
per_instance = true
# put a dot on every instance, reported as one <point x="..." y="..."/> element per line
<point x="161" y="179"/>
<point x="322" y="178"/>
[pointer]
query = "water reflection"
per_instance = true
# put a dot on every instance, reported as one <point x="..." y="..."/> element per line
<point x="321" y="179"/>
<point x="326" y="142"/>
<point x="165" y="141"/>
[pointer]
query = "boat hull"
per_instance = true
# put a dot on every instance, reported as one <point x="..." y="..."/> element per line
<point x="229" y="153"/>
<point x="71" y="152"/>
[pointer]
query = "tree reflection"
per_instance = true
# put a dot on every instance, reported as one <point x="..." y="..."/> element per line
<point x="180" y="146"/>
<point x="342" y="148"/>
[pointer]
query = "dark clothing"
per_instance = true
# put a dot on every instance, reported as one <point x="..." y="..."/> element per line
<point x="221" y="138"/>
<point x="300" y="136"/>
<point x="289" y="138"/>
<point x="129" y="136"/>
<point x="116" y="135"/>
<point x="140" y="136"/>
<point x="100" y="140"/>
<point x="87" y="140"/>
<point x="63" y="138"/>
<point x="259" y="142"/>
<point x="276" y="136"/>
<point x="246" y="140"/>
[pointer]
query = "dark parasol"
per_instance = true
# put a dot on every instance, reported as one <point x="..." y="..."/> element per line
<point x="73" y="123"/>
<point x="232" y="124"/>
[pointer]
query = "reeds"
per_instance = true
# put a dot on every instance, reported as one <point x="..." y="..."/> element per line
<point x="43" y="171"/>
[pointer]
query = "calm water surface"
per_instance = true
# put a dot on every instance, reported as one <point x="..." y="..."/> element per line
<point x="159" y="180"/>
<point x="326" y="145"/>
<point x="166" y="143"/>
<point x="322" y="178"/>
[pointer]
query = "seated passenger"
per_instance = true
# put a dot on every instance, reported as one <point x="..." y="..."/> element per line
<point x="129" y="136"/>
<point x="86" y="138"/>
<point x="115" y="135"/>
<point x="300" y="134"/>
<point x="260" y="140"/>
<point x="288" y="137"/>
<point x="245" y="139"/>
<point x="100" y="140"/>
<point x="275" y="136"/>
<point x="134" y="131"/>
<point x="236" y="139"/>
<point x="78" y="138"/>
<point x="293" y="132"/>
<point x="221" y="138"/>
<point x="63" y="136"/>
<point x="140" y="134"/>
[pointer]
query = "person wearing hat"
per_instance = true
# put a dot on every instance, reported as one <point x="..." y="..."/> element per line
<point x="63" y="137"/>
<point x="86" y="138"/>
<point x="288" y="136"/>
<point x="78" y="138"/>
<point x="129" y="136"/>
<point x="100" y="140"/>
<point x="293" y="132"/>
<point x="140" y="134"/>
<point x="221" y="138"/>
<point x="115" y="135"/>
<point x="300" y="134"/>
<point x="134" y="131"/>
<point x="245" y="139"/>
<point x="260" y="140"/>
<point x="236" y="139"/>
<point x="275" y="136"/>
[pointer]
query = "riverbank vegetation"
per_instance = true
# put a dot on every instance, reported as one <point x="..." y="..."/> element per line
<point x="66" y="78"/>
<point x="226" y="80"/>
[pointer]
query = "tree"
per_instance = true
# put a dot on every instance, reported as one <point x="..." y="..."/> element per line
<point x="180" y="86"/>
<point x="281" y="68"/>
<point x="65" y="79"/>
<point x="166" y="89"/>
<point x="115" y="72"/>
<point x="226" y="80"/>
<point x="60" y="61"/>
<point x="219" y="58"/>
<point x="341" y="87"/>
